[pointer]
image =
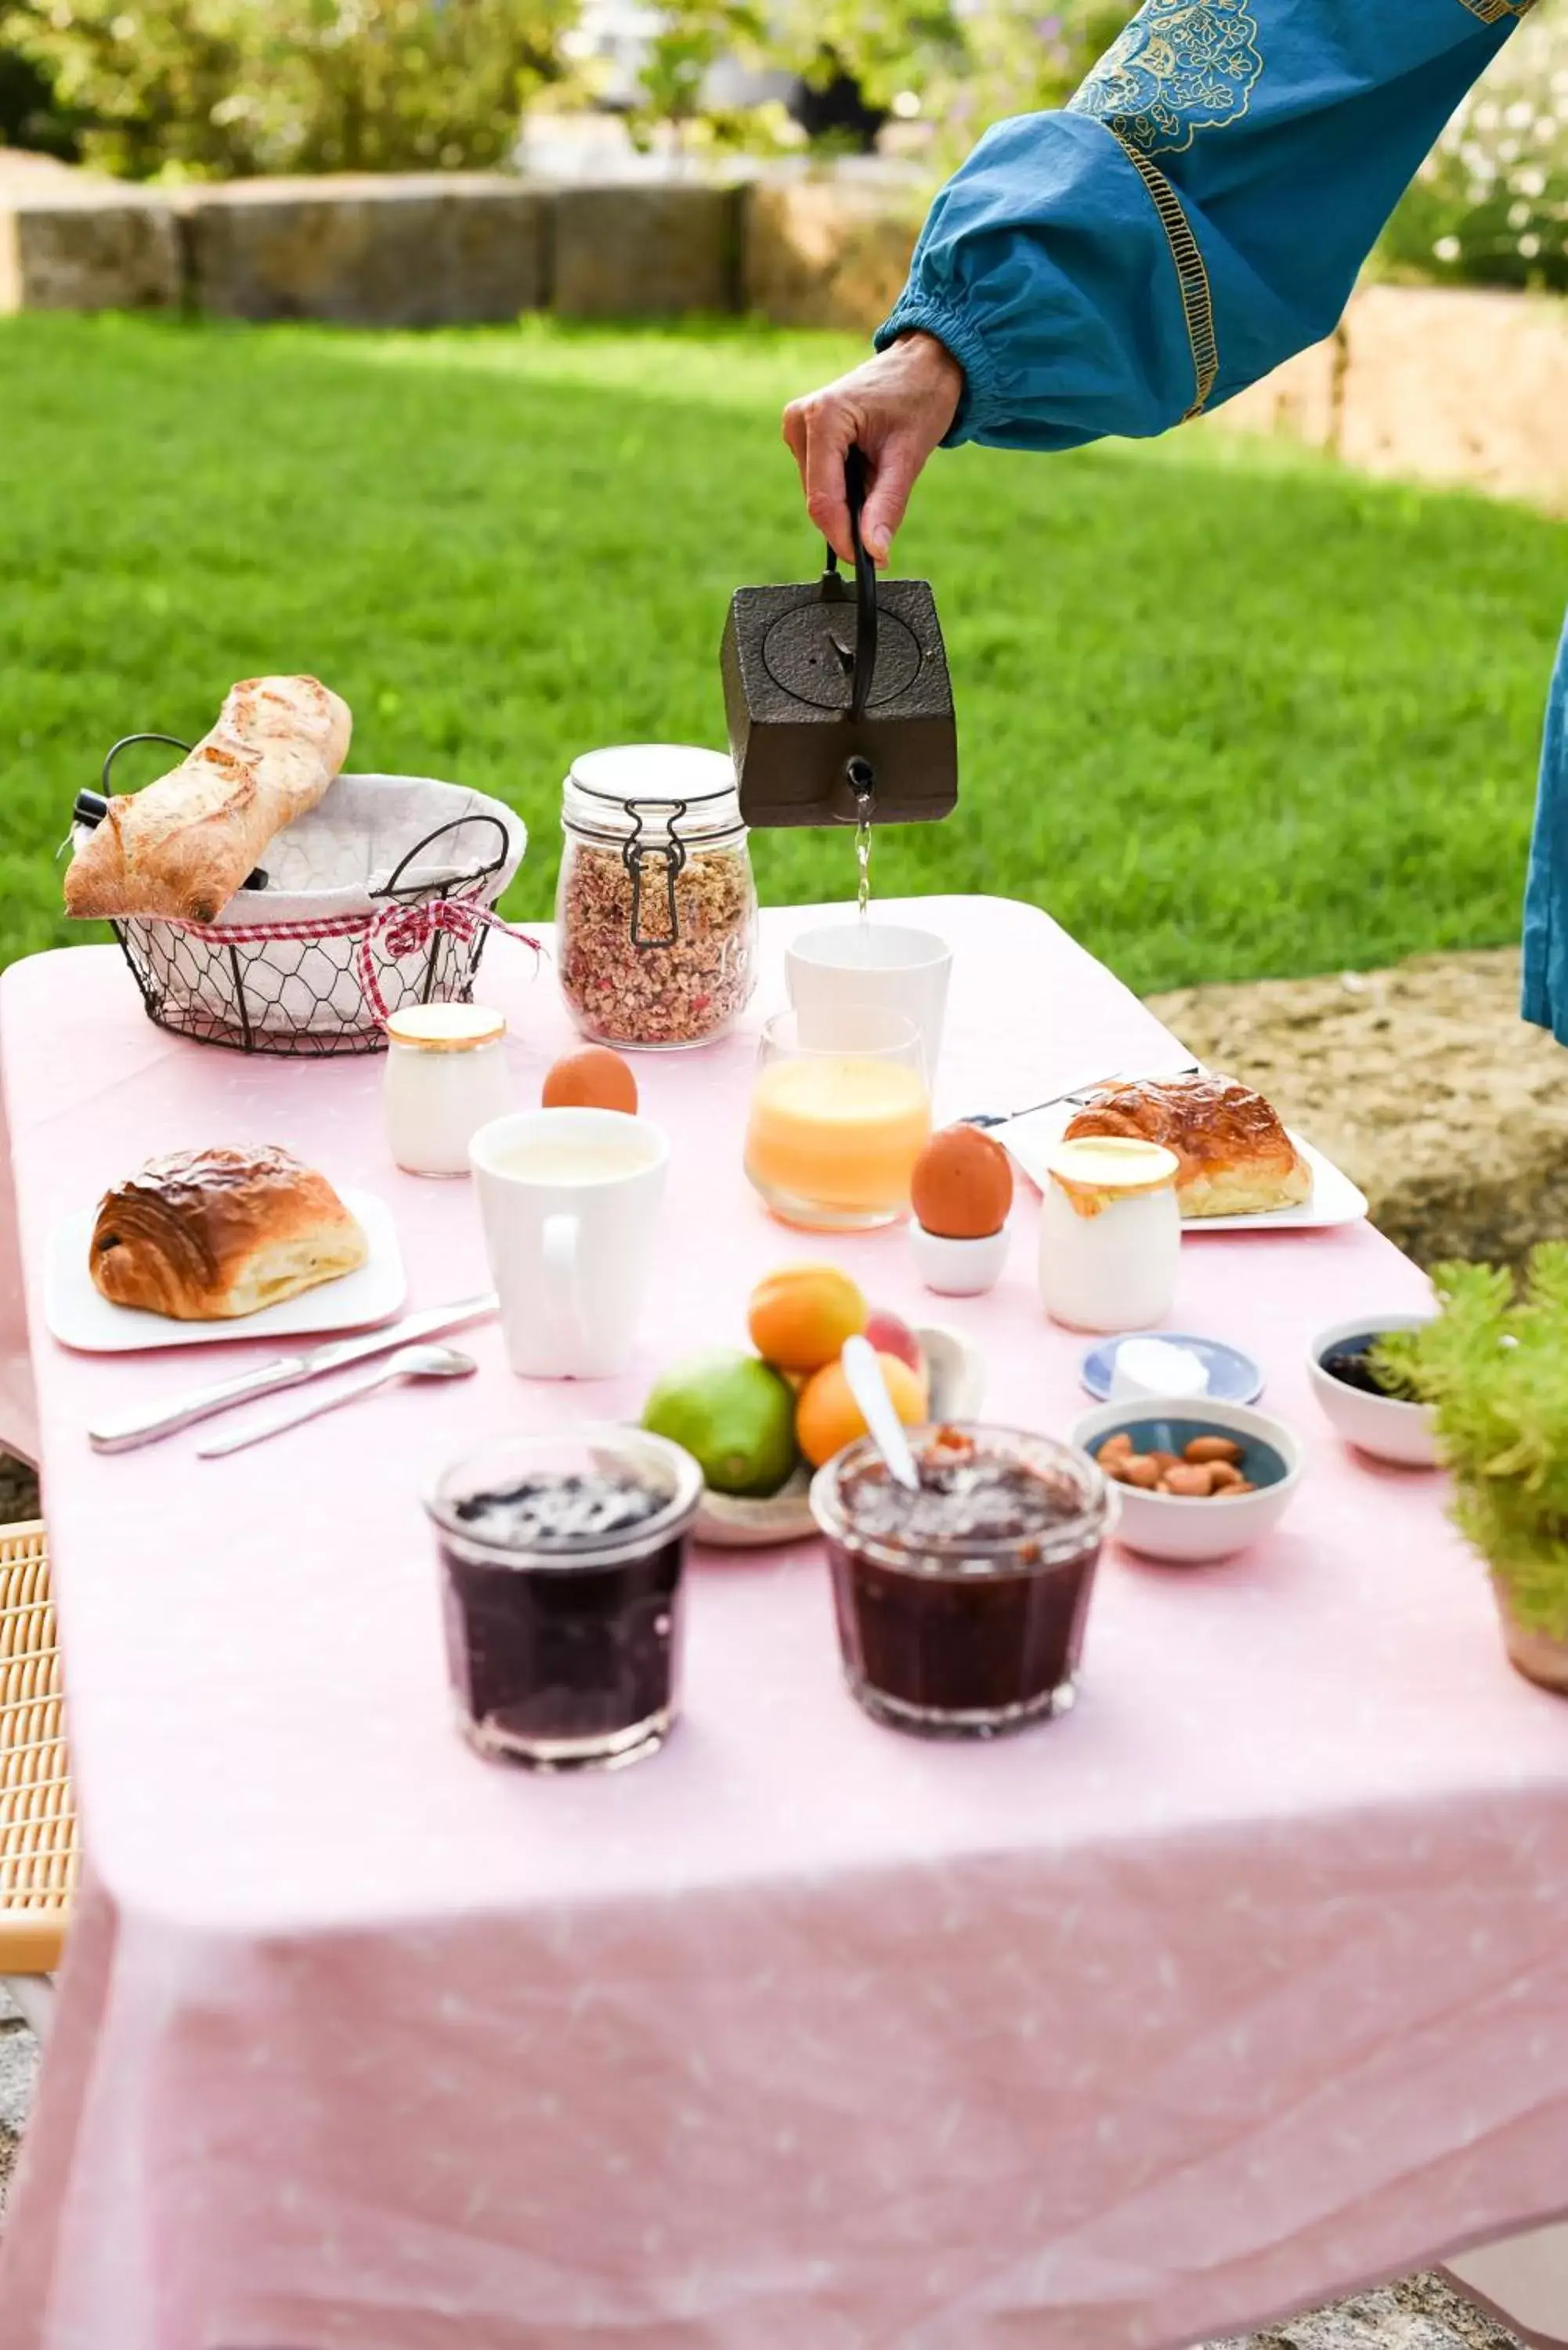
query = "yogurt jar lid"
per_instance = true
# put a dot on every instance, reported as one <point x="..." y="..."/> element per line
<point x="1108" y="1167"/>
<point x="446" y="1027"/>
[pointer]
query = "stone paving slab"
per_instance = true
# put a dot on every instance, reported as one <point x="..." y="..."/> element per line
<point x="18" y="2070"/>
<point x="1421" y="1081"/>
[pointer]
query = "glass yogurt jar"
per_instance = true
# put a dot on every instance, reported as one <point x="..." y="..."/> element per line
<point x="962" y="1607"/>
<point x="1110" y="1233"/>
<point x="656" y="911"/>
<point x="446" y="1076"/>
<point x="562" y="1559"/>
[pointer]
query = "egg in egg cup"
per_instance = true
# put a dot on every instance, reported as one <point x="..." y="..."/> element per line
<point x="962" y="1192"/>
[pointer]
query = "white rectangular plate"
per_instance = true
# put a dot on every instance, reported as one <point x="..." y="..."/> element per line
<point x="1334" y="1198"/>
<point x="77" y="1317"/>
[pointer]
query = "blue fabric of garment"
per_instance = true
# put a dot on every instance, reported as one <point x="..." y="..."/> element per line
<point x="1196" y="215"/>
<point x="1546" y="890"/>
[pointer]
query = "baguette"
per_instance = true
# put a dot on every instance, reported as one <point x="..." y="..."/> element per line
<point x="184" y="845"/>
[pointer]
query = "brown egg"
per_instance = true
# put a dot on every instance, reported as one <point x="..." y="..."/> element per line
<point x="962" y="1184"/>
<point x="595" y="1078"/>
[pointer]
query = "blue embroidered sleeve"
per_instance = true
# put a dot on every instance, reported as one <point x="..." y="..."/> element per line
<point x="1197" y="214"/>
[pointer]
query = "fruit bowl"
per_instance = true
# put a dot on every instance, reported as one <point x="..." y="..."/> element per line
<point x="956" y="1371"/>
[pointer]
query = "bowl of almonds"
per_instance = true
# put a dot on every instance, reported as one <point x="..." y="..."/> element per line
<point x="1197" y="1480"/>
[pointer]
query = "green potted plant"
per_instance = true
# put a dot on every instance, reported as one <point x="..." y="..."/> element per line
<point x="1493" y="1366"/>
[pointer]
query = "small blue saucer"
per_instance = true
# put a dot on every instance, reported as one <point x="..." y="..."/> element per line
<point x="1233" y="1376"/>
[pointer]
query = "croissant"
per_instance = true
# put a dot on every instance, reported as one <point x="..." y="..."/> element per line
<point x="186" y="843"/>
<point x="1235" y="1157"/>
<point x="206" y="1235"/>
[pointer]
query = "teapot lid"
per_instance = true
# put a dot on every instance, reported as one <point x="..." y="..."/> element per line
<point x="653" y="789"/>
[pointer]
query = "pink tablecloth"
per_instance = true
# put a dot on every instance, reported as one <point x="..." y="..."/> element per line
<point x="1246" y="1980"/>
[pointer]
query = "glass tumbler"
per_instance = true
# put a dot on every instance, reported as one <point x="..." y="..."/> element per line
<point x="961" y="1609"/>
<point x="561" y="1562"/>
<point x="837" y="1125"/>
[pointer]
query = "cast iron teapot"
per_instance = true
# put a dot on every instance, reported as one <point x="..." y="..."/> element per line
<point x="839" y="705"/>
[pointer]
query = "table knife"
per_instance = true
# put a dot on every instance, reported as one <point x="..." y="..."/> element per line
<point x="990" y="1117"/>
<point x="286" y="1371"/>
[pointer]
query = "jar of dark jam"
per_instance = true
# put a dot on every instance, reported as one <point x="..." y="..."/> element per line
<point x="561" y="1569"/>
<point x="960" y="1608"/>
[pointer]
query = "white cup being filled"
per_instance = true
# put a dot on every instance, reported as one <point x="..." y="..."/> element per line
<point x="868" y="967"/>
<point x="570" y="1200"/>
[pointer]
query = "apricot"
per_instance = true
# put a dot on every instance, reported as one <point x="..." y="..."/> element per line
<point x="827" y="1417"/>
<point x="800" y="1316"/>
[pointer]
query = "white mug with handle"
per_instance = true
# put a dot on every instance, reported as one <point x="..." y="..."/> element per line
<point x="570" y="1201"/>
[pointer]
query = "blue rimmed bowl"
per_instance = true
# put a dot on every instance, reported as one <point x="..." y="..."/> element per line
<point x="1189" y="1530"/>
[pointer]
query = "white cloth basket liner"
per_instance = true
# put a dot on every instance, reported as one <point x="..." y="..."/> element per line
<point x="330" y="866"/>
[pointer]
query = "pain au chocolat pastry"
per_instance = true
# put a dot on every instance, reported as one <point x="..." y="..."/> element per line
<point x="206" y="1235"/>
<point x="1235" y="1157"/>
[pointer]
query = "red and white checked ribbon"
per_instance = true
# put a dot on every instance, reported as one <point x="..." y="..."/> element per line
<point x="393" y="933"/>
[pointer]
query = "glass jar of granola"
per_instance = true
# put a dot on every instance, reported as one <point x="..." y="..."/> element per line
<point x="656" y="914"/>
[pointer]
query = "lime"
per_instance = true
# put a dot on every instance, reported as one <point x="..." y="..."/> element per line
<point x="734" y="1415"/>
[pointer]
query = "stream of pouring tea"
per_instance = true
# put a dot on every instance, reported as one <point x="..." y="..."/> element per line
<point x="862" y="861"/>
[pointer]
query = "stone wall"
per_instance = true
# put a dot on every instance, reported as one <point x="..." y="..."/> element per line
<point x="70" y="242"/>
<point x="1432" y="383"/>
<point x="418" y="250"/>
<point x="1427" y="383"/>
<point x="820" y="252"/>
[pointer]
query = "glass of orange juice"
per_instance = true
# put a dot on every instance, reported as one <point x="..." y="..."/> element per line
<point x="835" y="1126"/>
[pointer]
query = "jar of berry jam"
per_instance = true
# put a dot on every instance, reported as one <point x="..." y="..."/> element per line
<point x="561" y="1571"/>
<point x="961" y="1606"/>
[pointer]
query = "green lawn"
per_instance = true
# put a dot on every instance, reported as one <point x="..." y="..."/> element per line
<point x="1224" y="710"/>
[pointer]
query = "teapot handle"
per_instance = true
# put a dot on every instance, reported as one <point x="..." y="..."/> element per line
<point x="865" y="586"/>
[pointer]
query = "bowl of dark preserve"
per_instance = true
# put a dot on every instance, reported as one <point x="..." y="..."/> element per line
<point x="962" y="1607"/>
<point x="562" y="1559"/>
<point x="1353" y="1398"/>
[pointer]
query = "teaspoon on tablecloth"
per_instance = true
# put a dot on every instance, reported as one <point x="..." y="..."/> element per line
<point x="408" y="1363"/>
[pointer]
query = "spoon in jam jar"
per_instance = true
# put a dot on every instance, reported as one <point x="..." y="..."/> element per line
<point x="408" y="1363"/>
<point x="869" y="1390"/>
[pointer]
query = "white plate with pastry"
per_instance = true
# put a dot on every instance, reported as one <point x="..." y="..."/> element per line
<point x="1240" y="1169"/>
<point x="220" y="1243"/>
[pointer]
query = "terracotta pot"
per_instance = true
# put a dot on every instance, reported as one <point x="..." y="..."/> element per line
<point x="1536" y="1655"/>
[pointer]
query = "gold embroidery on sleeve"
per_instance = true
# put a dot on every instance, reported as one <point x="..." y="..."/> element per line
<point x="1493" y="12"/>
<point x="1196" y="301"/>
<point x="1179" y="67"/>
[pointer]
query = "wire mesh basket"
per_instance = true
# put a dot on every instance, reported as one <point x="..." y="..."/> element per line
<point x="381" y="896"/>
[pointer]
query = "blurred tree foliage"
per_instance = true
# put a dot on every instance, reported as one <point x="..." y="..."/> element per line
<point x="30" y="113"/>
<point x="1490" y="205"/>
<point x="219" y="88"/>
<point x="694" y="37"/>
<point x="955" y="66"/>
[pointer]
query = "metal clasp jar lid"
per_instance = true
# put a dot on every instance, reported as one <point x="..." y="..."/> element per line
<point x="653" y="802"/>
